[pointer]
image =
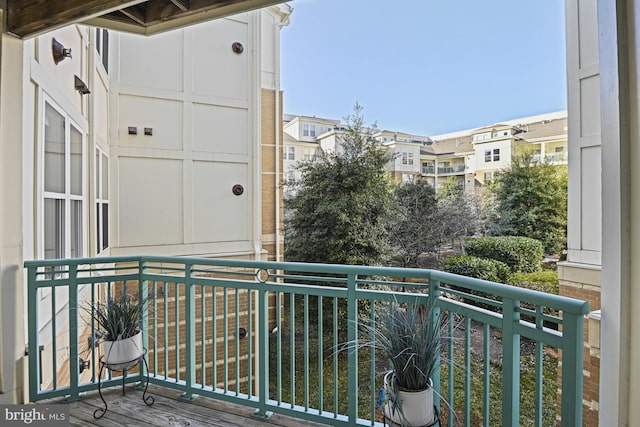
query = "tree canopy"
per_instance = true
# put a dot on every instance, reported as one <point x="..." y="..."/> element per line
<point x="532" y="202"/>
<point x="342" y="202"/>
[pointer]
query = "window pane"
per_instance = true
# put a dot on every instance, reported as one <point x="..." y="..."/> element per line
<point x="105" y="226"/>
<point x="77" y="248"/>
<point x="105" y="177"/>
<point x="76" y="161"/>
<point x="54" y="150"/>
<point x="98" y="232"/>
<point x="53" y="228"/>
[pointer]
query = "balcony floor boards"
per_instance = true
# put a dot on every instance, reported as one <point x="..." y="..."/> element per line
<point x="168" y="410"/>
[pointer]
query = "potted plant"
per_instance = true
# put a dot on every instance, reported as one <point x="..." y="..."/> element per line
<point x="118" y="321"/>
<point x="409" y="339"/>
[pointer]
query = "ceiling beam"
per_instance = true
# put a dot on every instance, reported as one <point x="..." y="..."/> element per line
<point x="183" y="5"/>
<point x="135" y="14"/>
<point x="27" y="18"/>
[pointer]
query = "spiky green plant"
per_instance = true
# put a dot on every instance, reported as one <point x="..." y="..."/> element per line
<point x="119" y="317"/>
<point x="409" y="338"/>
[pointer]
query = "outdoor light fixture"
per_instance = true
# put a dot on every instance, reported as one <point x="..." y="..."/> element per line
<point x="59" y="51"/>
<point x="81" y="86"/>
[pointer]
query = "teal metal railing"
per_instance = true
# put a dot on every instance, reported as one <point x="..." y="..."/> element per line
<point x="267" y="335"/>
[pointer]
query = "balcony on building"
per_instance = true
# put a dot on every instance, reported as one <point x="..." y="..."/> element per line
<point x="240" y="338"/>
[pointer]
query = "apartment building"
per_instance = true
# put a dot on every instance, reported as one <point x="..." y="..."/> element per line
<point x="114" y="143"/>
<point x="470" y="157"/>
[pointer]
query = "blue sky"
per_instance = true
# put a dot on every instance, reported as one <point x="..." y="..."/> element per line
<point x="425" y="66"/>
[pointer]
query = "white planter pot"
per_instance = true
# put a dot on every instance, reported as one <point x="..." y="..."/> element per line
<point x="410" y="408"/>
<point x="122" y="352"/>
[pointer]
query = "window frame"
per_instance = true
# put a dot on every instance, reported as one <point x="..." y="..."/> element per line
<point x="67" y="197"/>
<point x="102" y="202"/>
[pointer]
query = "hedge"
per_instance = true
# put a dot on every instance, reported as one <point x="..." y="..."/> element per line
<point x="543" y="281"/>
<point x="480" y="268"/>
<point x="521" y="254"/>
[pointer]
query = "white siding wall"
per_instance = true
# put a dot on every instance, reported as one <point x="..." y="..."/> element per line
<point x="201" y="108"/>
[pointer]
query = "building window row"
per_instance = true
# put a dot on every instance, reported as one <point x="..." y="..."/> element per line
<point x="492" y="155"/>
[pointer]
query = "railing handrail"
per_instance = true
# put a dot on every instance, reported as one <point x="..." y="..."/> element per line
<point x="566" y="304"/>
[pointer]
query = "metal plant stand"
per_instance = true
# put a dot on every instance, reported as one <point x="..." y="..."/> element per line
<point x="148" y="400"/>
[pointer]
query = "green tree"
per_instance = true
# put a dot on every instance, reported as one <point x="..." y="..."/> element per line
<point x="457" y="212"/>
<point x="416" y="228"/>
<point x="532" y="202"/>
<point x="342" y="202"/>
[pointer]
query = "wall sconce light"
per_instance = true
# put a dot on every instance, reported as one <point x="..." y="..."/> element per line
<point x="242" y="333"/>
<point x="83" y="364"/>
<point x="59" y="51"/>
<point x="81" y="86"/>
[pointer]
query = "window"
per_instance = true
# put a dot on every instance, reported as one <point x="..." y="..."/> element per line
<point x="63" y="196"/>
<point x="559" y="149"/>
<point x="102" y="201"/>
<point x="309" y="130"/>
<point x="407" y="158"/>
<point x="407" y="178"/>
<point x="102" y="46"/>
<point x="290" y="154"/>
<point x="487" y="156"/>
<point x="496" y="154"/>
<point x="488" y="176"/>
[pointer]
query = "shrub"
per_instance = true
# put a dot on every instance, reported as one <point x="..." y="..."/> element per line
<point x="519" y="253"/>
<point x="480" y="268"/>
<point x="543" y="281"/>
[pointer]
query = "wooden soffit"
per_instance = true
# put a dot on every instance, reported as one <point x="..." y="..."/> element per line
<point x="28" y="18"/>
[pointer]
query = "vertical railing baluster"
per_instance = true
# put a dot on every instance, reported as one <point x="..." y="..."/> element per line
<point x="279" y="297"/>
<point x="203" y="336"/>
<point x="467" y="376"/>
<point x="292" y="348"/>
<point x="165" y="322"/>
<point x="155" y="329"/>
<point x="372" y="362"/>
<point x="451" y="372"/>
<point x="54" y="337"/>
<point x="320" y="357"/>
<point x="214" y="331"/>
<point x="539" y="371"/>
<point x="510" y="363"/>
<point x="225" y="337"/>
<point x="236" y="303"/>
<point x="177" y="326"/>
<point x="250" y="296"/>
<point x="487" y="375"/>
<point x="306" y="352"/>
<point x="352" y="356"/>
<point x="190" y="331"/>
<point x="335" y="358"/>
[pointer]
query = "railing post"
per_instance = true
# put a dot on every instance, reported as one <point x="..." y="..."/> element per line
<point x="143" y="298"/>
<point x="572" y="361"/>
<point x="352" y="337"/>
<point x="74" y="371"/>
<point x="263" y="355"/>
<point x="434" y="313"/>
<point x="510" y="363"/>
<point x="32" y="314"/>
<point x="190" y="332"/>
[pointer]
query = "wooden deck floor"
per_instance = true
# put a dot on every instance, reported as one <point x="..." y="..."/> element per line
<point x="168" y="410"/>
